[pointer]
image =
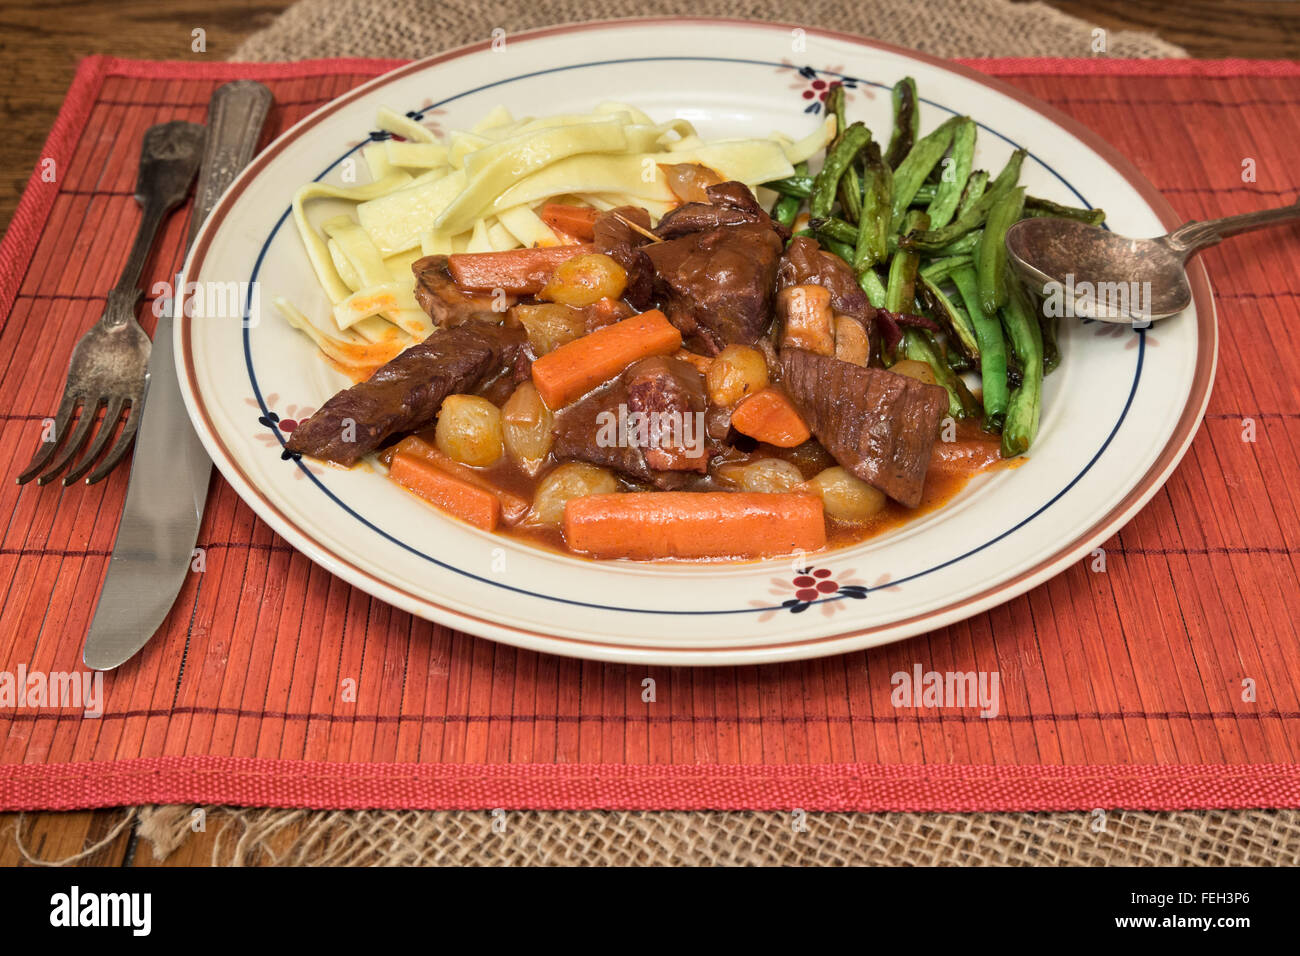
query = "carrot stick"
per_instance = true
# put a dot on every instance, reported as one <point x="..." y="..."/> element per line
<point x="769" y="416"/>
<point x="516" y="271"/>
<point x="513" y="507"/>
<point x="456" y="496"/>
<point x="576" y="221"/>
<point x="577" y="367"/>
<point x="648" y="525"/>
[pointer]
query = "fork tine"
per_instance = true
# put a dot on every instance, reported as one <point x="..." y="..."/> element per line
<point x="85" y="422"/>
<point x="48" y="448"/>
<point x="120" y="446"/>
<point x="106" y="428"/>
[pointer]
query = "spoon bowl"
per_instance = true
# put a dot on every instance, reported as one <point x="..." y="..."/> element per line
<point x="1097" y="274"/>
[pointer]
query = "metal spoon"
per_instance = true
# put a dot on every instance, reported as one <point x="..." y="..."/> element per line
<point x="1104" y="276"/>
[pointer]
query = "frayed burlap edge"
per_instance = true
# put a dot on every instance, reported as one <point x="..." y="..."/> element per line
<point x="401" y="29"/>
<point x="247" y="837"/>
<point x="274" y="837"/>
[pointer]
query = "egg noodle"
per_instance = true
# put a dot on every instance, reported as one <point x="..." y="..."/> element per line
<point x="477" y="191"/>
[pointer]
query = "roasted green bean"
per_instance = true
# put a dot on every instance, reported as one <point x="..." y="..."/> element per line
<point x="826" y="185"/>
<point x="952" y="181"/>
<point x="1024" y="408"/>
<point x="1045" y="207"/>
<point x="917" y="347"/>
<point x="872" y="245"/>
<point x="992" y="270"/>
<point x="901" y="290"/>
<point x="975" y="187"/>
<point x="993" y="351"/>
<point x="922" y="157"/>
<point x="954" y="322"/>
<point x="796" y="185"/>
<point x="936" y="270"/>
<point x="907" y="121"/>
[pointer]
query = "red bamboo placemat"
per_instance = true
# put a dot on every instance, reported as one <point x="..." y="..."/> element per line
<point x="1171" y="680"/>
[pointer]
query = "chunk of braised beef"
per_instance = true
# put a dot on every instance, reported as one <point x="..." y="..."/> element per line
<point x="406" y="393"/>
<point x="717" y="285"/>
<point x="879" y="425"/>
<point x="730" y="204"/>
<point x="622" y="243"/>
<point x="438" y="294"/>
<point x="669" y="393"/>
<point x="646" y="424"/>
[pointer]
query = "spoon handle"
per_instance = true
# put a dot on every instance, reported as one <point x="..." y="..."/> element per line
<point x="1191" y="238"/>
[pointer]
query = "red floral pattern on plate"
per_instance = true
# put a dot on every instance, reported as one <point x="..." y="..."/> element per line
<point x="820" y="587"/>
<point x="275" y="424"/>
<point x="814" y="85"/>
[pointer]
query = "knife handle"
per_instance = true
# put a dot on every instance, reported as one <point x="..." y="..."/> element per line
<point x="236" y="113"/>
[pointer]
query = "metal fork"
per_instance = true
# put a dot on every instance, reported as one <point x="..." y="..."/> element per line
<point x="110" y="364"/>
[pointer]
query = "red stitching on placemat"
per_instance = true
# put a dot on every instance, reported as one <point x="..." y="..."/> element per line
<point x="814" y="787"/>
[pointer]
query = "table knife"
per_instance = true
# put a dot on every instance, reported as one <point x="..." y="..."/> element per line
<point x="168" y="487"/>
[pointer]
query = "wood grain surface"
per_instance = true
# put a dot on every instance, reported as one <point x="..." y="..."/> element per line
<point x="40" y="44"/>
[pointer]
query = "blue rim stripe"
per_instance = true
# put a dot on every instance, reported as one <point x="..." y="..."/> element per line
<point x="261" y="402"/>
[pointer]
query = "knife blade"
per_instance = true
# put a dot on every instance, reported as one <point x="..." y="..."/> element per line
<point x="168" y="487"/>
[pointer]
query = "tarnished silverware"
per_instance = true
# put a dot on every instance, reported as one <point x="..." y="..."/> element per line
<point x="110" y="364"/>
<point x="170" y="469"/>
<point x="1091" y="260"/>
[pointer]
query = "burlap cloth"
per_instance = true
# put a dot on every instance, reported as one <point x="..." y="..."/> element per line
<point x="413" y="28"/>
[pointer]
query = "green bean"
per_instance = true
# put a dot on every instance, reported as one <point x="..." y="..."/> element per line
<point x="851" y="194"/>
<point x="975" y="187"/>
<point x="796" y="185"/>
<point x="915" y="346"/>
<point x="870" y="283"/>
<point x="1050" y="327"/>
<point x="838" y="158"/>
<point x="933" y="240"/>
<point x="786" y="208"/>
<point x="841" y="249"/>
<point x="952" y="183"/>
<point x="922" y="157"/>
<point x="992" y="269"/>
<point x="1024" y="408"/>
<point x="972" y="216"/>
<point x="964" y="246"/>
<point x="907" y="121"/>
<point x="872" y="244"/>
<point x="925" y="194"/>
<point x="993" y="350"/>
<point x="956" y="324"/>
<point x="835" y="105"/>
<point x="1045" y="207"/>
<point x="850" y="186"/>
<point x="901" y="291"/>
<point x="1015" y="374"/>
<point x="1010" y="174"/>
<point x="936" y="270"/>
<point x="835" y="228"/>
<point x="958" y="363"/>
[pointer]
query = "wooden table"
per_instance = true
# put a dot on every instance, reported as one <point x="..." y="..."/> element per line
<point x="39" y="50"/>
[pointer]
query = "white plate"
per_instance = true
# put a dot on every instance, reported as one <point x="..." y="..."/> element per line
<point x="1117" y="417"/>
